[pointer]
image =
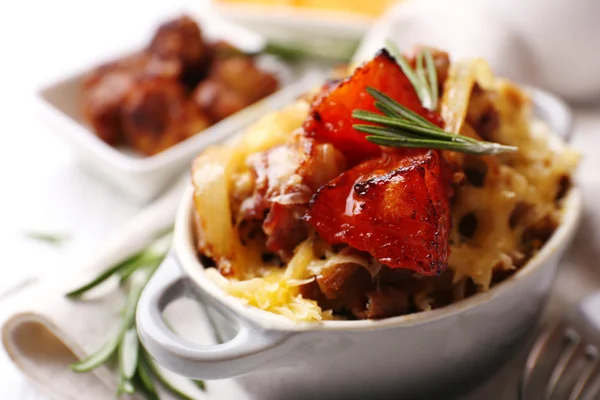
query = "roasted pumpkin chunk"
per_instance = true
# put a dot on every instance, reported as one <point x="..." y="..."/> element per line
<point x="395" y="207"/>
<point x="330" y="118"/>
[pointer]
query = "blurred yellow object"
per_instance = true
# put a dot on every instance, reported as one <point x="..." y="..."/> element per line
<point x="370" y="7"/>
<point x="367" y="7"/>
<point x="264" y="2"/>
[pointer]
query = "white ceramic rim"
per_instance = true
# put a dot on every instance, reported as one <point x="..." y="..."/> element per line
<point x="185" y="252"/>
<point x="341" y="24"/>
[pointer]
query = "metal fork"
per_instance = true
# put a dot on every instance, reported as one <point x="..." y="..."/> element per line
<point x="564" y="362"/>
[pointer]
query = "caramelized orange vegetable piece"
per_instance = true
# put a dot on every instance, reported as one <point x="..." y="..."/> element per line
<point x="395" y="207"/>
<point x="330" y="119"/>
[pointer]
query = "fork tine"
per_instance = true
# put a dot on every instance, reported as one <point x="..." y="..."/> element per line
<point x="591" y="392"/>
<point x="536" y="351"/>
<point x="563" y="361"/>
<point x="586" y="374"/>
<point x="539" y="348"/>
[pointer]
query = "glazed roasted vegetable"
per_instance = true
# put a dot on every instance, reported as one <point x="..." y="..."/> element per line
<point x="394" y="207"/>
<point x="330" y="118"/>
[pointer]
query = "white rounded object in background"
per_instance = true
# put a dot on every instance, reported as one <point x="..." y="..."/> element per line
<point x="469" y="28"/>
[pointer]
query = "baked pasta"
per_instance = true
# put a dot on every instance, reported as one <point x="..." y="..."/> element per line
<point x="303" y="217"/>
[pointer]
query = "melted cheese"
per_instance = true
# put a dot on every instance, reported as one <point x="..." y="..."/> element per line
<point x="529" y="177"/>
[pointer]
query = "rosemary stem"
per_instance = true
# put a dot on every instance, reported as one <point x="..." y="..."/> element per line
<point x="400" y="127"/>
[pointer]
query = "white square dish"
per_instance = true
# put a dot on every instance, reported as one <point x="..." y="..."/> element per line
<point x="58" y="104"/>
<point x="325" y="33"/>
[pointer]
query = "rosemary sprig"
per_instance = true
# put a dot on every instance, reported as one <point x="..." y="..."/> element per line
<point x="146" y="380"/>
<point x="128" y="360"/>
<point x="104" y="275"/>
<point x="423" y="77"/>
<point x="401" y="127"/>
<point x="299" y="51"/>
<point x="48" y="237"/>
<point x="153" y="368"/>
<point x="136" y="369"/>
<point x="106" y="351"/>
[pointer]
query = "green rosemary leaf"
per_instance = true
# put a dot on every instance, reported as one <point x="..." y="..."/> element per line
<point x="99" y="357"/>
<point x="155" y="371"/>
<point x="387" y="110"/>
<point x="405" y="125"/>
<point x="139" y="280"/>
<point x="145" y="379"/>
<point x="488" y="148"/>
<point x="420" y="89"/>
<point x="294" y="52"/>
<point x="199" y="384"/>
<point x="126" y="387"/>
<point x="400" y="127"/>
<point x="420" y="69"/>
<point x="128" y="359"/>
<point x="48" y="237"/>
<point x="149" y="258"/>
<point x="432" y="75"/>
<point x="481" y="148"/>
<point x="398" y="108"/>
<point x="384" y="132"/>
<point x="104" y="275"/>
<point x="125" y="273"/>
<point x="403" y="142"/>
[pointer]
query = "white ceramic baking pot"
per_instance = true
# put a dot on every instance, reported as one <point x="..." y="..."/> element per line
<point x="407" y="355"/>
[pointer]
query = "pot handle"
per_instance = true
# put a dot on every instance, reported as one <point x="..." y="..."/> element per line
<point x="249" y="348"/>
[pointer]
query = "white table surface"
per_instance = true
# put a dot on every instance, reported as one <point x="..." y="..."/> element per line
<point x="43" y="186"/>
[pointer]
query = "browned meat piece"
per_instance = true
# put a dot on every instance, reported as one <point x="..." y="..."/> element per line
<point x="383" y="302"/>
<point x="142" y="98"/>
<point x="222" y="49"/>
<point x="285" y="178"/>
<point x="157" y="115"/>
<point x="126" y="65"/>
<point x="137" y="65"/>
<point x="320" y="163"/>
<point x="107" y="86"/>
<point x="158" y="68"/>
<point x="272" y="171"/>
<point x="181" y="40"/>
<point x="276" y="196"/>
<point x="538" y="233"/>
<point x="243" y="76"/>
<point x="217" y="100"/>
<point x="482" y="114"/>
<point x="332" y="279"/>
<point x="102" y="102"/>
<point x="285" y="229"/>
